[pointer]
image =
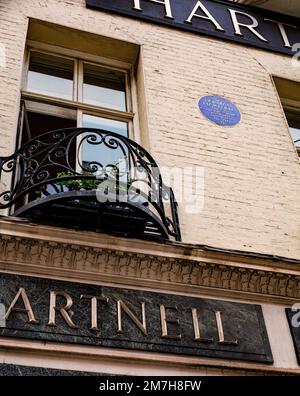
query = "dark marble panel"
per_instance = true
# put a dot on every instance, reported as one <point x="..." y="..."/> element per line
<point x="241" y="322"/>
<point x="12" y="370"/>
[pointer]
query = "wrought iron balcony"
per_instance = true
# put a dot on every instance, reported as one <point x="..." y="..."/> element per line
<point x="119" y="190"/>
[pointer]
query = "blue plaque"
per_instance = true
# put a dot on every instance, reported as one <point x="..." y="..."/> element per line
<point x="219" y="110"/>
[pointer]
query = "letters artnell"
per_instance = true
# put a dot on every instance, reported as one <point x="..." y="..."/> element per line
<point x="218" y="18"/>
<point x="42" y="309"/>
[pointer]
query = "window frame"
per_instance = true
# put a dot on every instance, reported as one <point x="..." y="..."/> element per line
<point x="77" y="104"/>
<point x="80" y="84"/>
<point x="288" y="104"/>
<point x="287" y="108"/>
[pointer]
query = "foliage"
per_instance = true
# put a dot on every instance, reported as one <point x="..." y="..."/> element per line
<point x="78" y="184"/>
<point x="86" y="184"/>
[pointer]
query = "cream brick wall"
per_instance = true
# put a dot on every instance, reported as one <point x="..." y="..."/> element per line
<point x="252" y="173"/>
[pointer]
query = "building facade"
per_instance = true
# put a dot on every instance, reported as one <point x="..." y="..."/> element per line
<point x="200" y="279"/>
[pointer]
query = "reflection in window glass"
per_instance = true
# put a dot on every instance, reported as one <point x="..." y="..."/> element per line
<point x="106" y="124"/>
<point x="104" y="87"/>
<point x="101" y="153"/>
<point x="296" y="136"/>
<point x="50" y="75"/>
<point x="293" y="118"/>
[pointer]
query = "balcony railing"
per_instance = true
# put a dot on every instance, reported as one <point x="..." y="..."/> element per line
<point x="90" y="179"/>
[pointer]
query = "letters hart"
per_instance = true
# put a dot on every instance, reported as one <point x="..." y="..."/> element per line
<point x="201" y="11"/>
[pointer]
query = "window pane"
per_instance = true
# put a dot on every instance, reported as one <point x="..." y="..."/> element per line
<point x="293" y="118"/>
<point x="50" y="75"/>
<point x="104" y="87"/>
<point x="101" y="153"/>
<point x="106" y="124"/>
<point x="296" y="136"/>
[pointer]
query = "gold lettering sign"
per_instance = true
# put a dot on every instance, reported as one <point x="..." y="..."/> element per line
<point x="232" y="21"/>
<point x="62" y="310"/>
<point x="59" y="311"/>
<point x="221" y="331"/>
<point x="94" y="308"/>
<point x="27" y="307"/>
<point x="165" y="321"/>
<point x="196" y="325"/>
<point x="141" y="325"/>
<point x="207" y="16"/>
<point x="166" y="3"/>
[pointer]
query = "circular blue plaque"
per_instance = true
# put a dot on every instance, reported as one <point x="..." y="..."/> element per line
<point x="219" y="110"/>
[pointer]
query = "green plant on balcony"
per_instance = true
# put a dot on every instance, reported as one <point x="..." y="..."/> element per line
<point x="89" y="184"/>
<point x="77" y="184"/>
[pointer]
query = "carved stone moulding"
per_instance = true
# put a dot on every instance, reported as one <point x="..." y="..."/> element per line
<point x="30" y="255"/>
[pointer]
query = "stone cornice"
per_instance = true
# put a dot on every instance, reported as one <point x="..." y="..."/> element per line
<point x="55" y="252"/>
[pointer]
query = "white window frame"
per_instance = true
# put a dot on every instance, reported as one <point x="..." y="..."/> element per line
<point x="76" y="103"/>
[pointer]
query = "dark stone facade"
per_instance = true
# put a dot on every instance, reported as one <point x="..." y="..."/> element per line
<point x="12" y="370"/>
<point x="241" y="322"/>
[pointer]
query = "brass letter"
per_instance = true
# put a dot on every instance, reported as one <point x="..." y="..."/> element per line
<point x="166" y="3"/>
<point x="207" y="16"/>
<point x="63" y="310"/>
<point x="165" y="321"/>
<point x="137" y="5"/>
<point x="141" y="325"/>
<point x="221" y="331"/>
<point x="94" y="310"/>
<point x="197" y="328"/>
<point x="284" y="36"/>
<point x="28" y="310"/>
<point x="237" y="24"/>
